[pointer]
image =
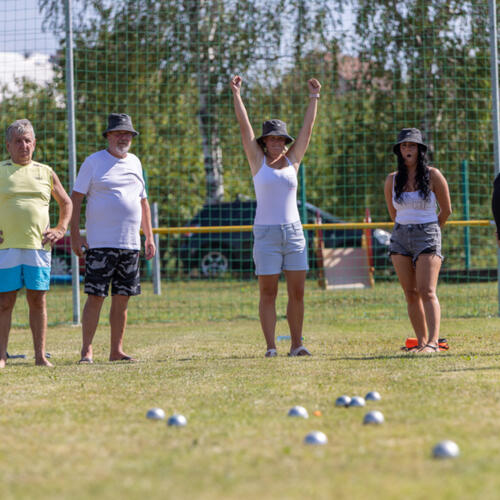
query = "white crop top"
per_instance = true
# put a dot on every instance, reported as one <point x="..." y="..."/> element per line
<point x="412" y="209"/>
<point x="276" y="193"/>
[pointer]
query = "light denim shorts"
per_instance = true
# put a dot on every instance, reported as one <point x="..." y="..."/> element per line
<point x="279" y="247"/>
<point x="414" y="239"/>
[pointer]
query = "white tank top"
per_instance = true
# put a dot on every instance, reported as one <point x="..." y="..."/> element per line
<point x="276" y="193"/>
<point x="412" y="209"/>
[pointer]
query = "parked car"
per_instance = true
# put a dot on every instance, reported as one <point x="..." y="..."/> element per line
<point x="213" y="254"/>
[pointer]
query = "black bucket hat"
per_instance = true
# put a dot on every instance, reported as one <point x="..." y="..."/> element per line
<point x="409" y="135"/>
<point x="274" y="127"/>
<point x="120" y="121"/>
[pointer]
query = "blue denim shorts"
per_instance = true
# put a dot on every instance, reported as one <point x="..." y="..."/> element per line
<point x="414" y="239"/>
<point x="279" y="247"/>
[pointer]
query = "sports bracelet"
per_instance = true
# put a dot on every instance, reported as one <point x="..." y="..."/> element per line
<point x="316" y="96"/>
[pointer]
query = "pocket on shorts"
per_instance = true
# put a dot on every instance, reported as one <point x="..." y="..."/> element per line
<point x="432" y="237"/>
<point x="259" y="233"/>
<point x="297" y="239"/>
<point x="432" y="231"/>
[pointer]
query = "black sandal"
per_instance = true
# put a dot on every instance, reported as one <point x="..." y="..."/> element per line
<point x="413" y="349"/>
<point x="435" y="348"/>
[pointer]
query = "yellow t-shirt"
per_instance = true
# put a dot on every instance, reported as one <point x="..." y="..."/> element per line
<point x="24" y="203"/>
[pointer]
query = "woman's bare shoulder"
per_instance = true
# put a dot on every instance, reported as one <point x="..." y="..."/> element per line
<point x="435" y="173"/>
<point x="391" y="176"/>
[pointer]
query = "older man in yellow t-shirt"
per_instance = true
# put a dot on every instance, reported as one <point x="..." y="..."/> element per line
<point x="25" y="234"/>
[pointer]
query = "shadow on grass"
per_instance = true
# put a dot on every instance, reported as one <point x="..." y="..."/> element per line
<point x="215" y="358"/>
<point x="479" y="368"/>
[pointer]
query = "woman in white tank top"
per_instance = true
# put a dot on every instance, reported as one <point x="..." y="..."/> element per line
<point x="279" y="242"/>
<point x="413" y="194"/>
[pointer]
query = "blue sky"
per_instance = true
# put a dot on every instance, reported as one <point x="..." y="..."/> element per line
<point x="21" y="28"/>
<point x="24" y="48"/>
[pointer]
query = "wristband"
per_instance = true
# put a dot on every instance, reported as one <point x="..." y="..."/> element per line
<point x="316" y="96"/>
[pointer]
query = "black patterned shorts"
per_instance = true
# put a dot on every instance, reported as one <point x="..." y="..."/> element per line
<point x="115" y="265"/>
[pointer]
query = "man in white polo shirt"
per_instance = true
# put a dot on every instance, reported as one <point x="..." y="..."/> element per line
<point x="117" y="207"/>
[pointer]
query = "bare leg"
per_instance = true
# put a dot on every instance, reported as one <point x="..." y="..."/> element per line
<point x="90" y="320"/>
<point x="7" y="302"/>
<point x="118" y="322"/>
<point x="407" y="279"/>
<point x="427" y="272"/>
<point x="268" y="287"/>
<point x="295" y="281"/>
<point x="38" y="322"/>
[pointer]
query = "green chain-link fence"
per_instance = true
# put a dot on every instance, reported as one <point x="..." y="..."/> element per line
<point x="383" y="65"/>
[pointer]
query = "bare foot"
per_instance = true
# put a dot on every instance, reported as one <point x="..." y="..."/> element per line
<point x="87" y="353"/>
<point x="2" y="363"/>
<point x="121" y="357"/>
<point x="86" y="361"/>
<point x="43" y="362"/>
<point x="428" y="349"/>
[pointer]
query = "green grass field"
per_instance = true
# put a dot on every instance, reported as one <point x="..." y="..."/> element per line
<point x="80" y="432"/>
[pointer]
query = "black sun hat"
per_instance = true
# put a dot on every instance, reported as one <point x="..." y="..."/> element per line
<point x="120" y="121"/>
<point x="409" y="135"/>
<point x="274" y="127"/>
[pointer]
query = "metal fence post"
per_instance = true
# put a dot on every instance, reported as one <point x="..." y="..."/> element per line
<point x="157" y="257"/>
<point x="70" y="106"/>
<point x="466" y="211"/>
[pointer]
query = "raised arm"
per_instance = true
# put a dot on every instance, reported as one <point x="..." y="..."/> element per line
<point x="65" y="206"/>
<point x="440" y="188"/>
<point x="252" y="149"/>
<point x="388" y="195"/>
<point x="299" y="147"/>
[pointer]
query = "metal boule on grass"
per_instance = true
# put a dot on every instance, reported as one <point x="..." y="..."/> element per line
<point x="343" y="401"/>
<point x="373" y="396"/>
<point x="373" y="417"/>
<point x="446" y="449"/>
<point x="177" y="421"/>
<point x="298" y="411"/>
<point x="357" y="402"/>
<point x="316" y="438"/>
<point x="155" y="414"/>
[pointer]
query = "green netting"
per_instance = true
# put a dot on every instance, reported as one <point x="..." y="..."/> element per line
<point x="383" y="65"/>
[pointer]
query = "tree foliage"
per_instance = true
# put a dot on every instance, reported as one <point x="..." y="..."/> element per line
<point x="383" y="65"/>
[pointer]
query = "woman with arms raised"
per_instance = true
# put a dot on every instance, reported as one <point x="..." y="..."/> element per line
<point x="279" y="242"/>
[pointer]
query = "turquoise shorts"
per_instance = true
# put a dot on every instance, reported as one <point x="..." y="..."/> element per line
<point x="279" y="247"/>
<point x="24" y="267"/>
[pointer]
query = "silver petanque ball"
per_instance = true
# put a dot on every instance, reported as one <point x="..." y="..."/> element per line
<point x="357" y="402"/>
<point x="316" y="438"/>
<point x="298" y="411"/>
<point x="373" y="396"/>
<point x="373" y="417"/>
<point x="155" y="414"/>
<point x="177" y="421"/>
<point x="446" y="449"/>
<point x="343" y="401"/>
